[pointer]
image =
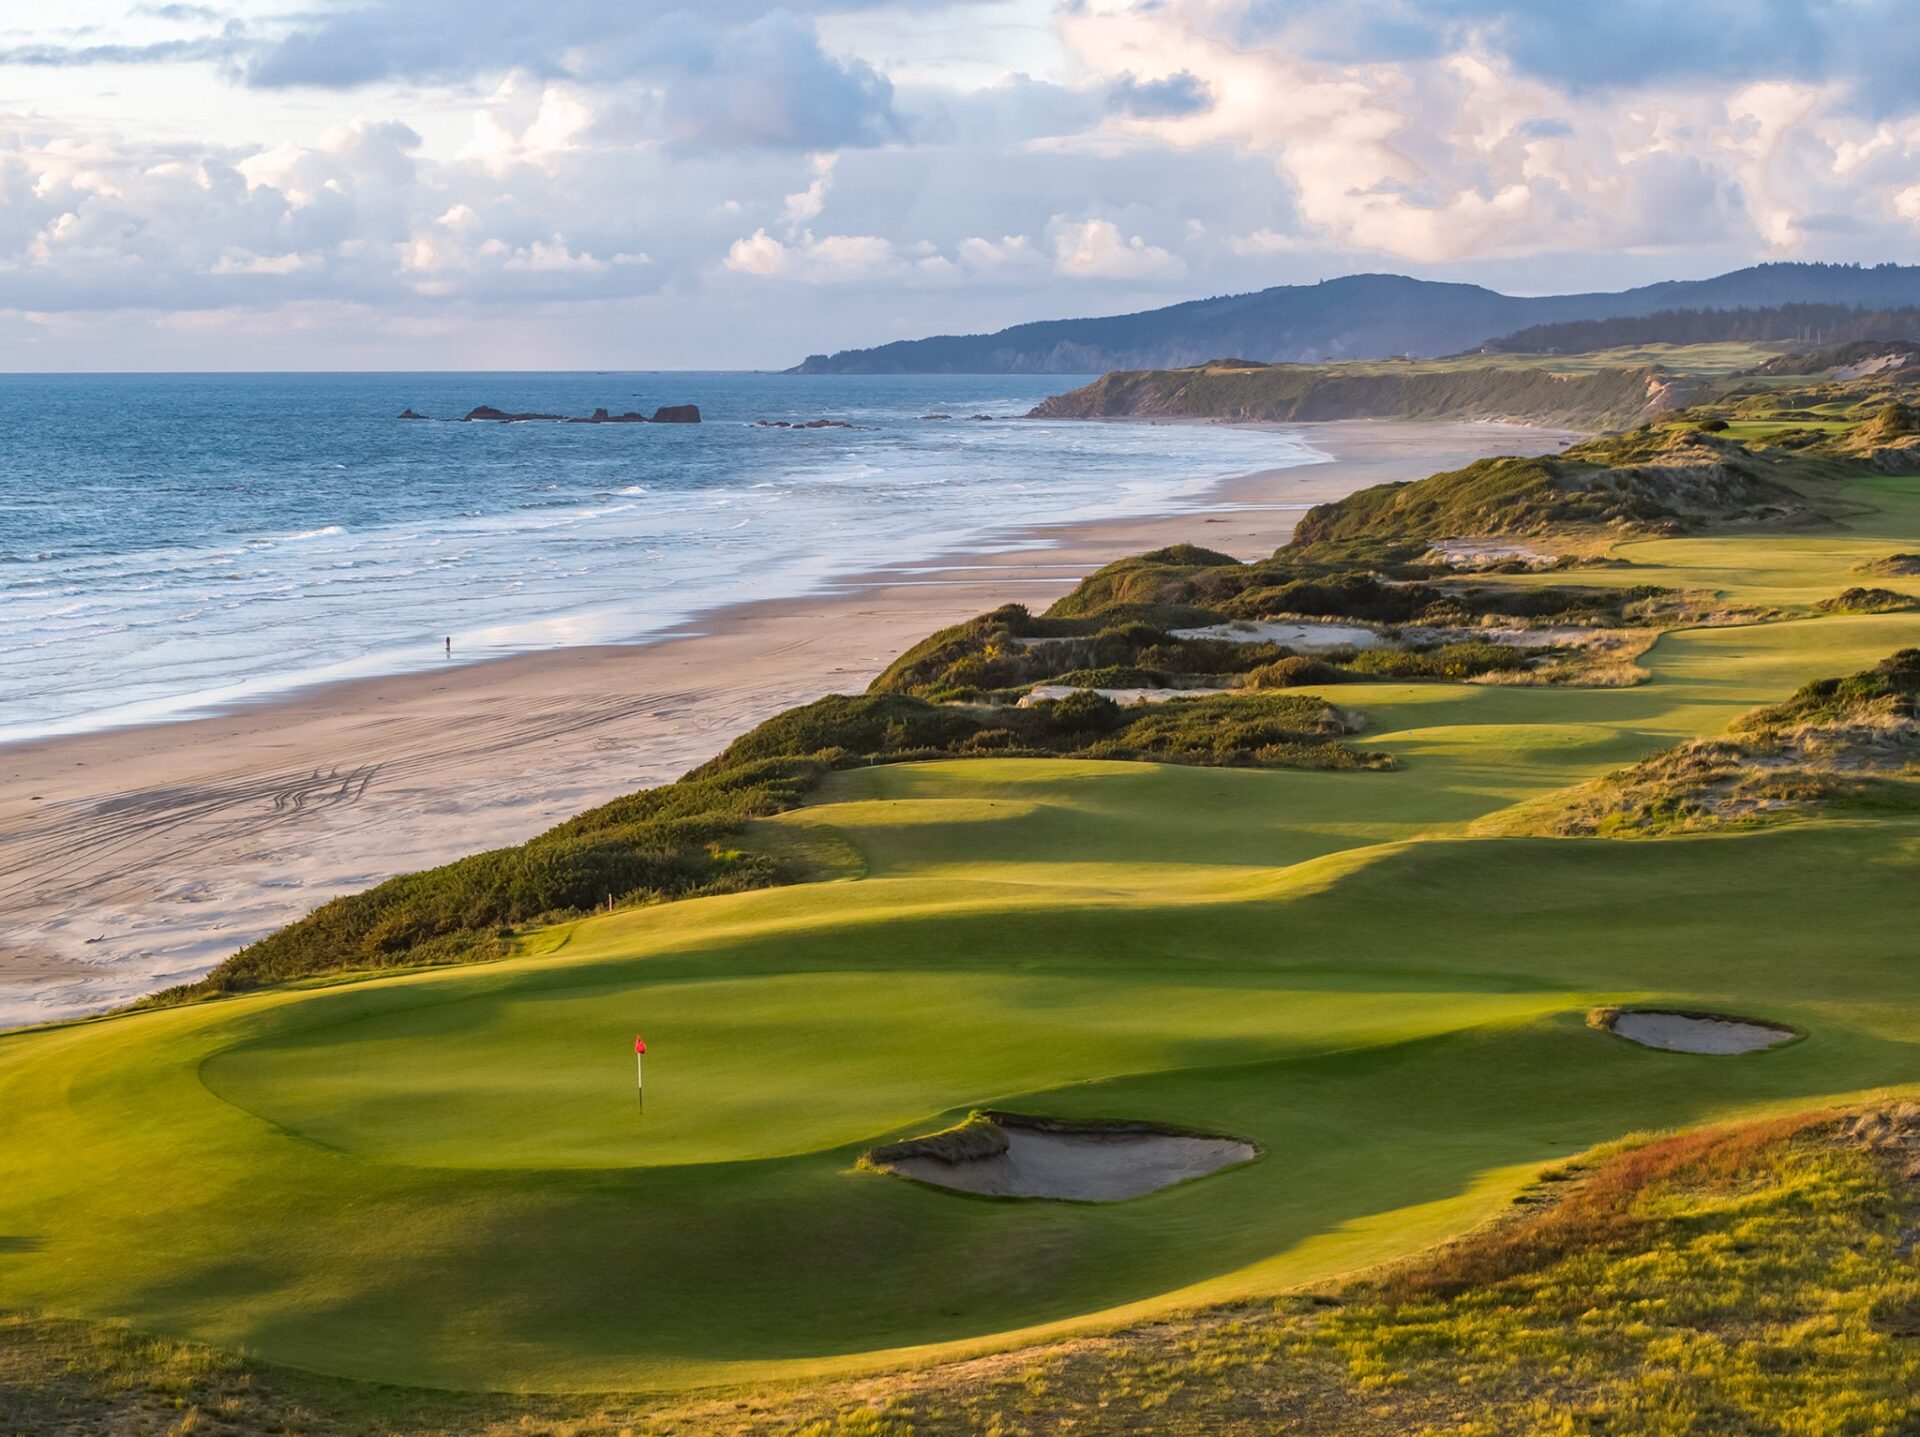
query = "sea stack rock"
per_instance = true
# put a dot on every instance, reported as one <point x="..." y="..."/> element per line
<point x="677" y="414"/>
<point x="409" y="414"/>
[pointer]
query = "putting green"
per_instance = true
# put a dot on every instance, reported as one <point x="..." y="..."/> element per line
<point x="494" y="1080"/>
<point x="443" y="1178"/>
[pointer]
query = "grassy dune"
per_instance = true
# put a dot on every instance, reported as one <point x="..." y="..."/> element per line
<point x="441" y="1178"/>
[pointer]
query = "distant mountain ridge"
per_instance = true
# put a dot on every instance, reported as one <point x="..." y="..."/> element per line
<point x="1361" y="316"/>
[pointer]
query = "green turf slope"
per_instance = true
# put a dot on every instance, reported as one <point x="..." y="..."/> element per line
<point x="441" y="1177"/>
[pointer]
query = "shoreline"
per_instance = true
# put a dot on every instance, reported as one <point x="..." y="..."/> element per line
<point x="138" y="857"/>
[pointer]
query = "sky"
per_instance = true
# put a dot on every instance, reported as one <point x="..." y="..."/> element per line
<point x="568" y="184"/>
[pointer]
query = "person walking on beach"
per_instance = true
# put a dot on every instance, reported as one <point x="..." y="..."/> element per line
<point x="449" y="645"/>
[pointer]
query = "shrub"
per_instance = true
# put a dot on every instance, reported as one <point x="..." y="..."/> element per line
<point x="1894" y="566"/>
<point x="1294" y="671"/>
<point x="1859" y="600"/>
<point x="1081" y="712"/>
<point x="1891" y="687"/>
<point x="1112" y="678"/>
<point x="1447" y="661"/>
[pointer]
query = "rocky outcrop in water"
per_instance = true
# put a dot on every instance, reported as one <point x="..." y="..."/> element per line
<point x="670" y="414"/>
<point x="491" y="415"/>
<point x="601" y="416"/>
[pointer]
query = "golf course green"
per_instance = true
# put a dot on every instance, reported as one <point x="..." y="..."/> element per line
<point x="443" y="1178"/>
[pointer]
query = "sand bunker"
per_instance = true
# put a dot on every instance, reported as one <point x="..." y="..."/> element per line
<point x="1126" y="698"/>
<point x="1007" y="1155"/>
<point x="1695" y="1032"/>
<point x="1305" y="637"/>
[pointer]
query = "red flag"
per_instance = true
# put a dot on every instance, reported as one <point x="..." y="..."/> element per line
<point x="639" y="1044"/>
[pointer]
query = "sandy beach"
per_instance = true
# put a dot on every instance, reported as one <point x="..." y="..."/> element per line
<point x="139" y="857"/>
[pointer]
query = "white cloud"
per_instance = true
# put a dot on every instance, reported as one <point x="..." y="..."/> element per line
<point x="1096" y="249"/>
<point x="803" y="208"/>
<point x="235" y="263"/>
<point x="1213" y="144"/>
<point x="1008" y="254"/>
<point x="554" y="257"/>
<point x="1263" y="242"/>
<point x="759" y="253"/>
<point x="1459" y="155"/>
<point x="831" y="259"/>
<point x="521" y="126"/>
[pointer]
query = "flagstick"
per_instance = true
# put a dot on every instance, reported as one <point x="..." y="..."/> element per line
<point x="640" y="1077"/>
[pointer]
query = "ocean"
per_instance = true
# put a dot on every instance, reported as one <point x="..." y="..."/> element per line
<point x="174" y="544"/>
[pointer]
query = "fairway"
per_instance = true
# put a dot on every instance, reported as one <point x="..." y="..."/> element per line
<point x="443" y="1177"/>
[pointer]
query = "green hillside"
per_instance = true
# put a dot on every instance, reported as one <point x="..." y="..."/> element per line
<point x="1602" y="389"/>
<point x="1609" y="393"/>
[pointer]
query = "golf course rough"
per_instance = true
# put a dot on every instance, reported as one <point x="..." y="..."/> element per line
<point x="441" y="1177"/>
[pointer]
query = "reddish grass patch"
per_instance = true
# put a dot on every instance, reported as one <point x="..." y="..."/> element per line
<point x="1599" y="1212"/>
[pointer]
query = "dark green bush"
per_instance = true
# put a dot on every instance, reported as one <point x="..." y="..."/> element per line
<point x="1080" y="713"/>
<point x="1446" y="661"/>
<point x="1293" y="672"/>
<point x="1113" y="678"/>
